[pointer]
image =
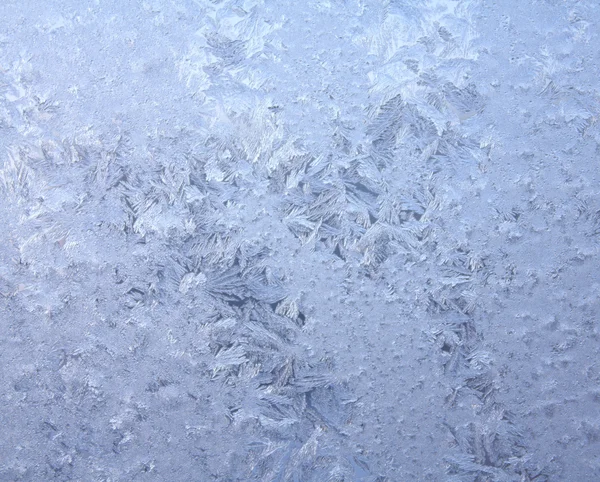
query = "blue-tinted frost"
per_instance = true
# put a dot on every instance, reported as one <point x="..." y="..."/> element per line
<point x="337" y="240"/>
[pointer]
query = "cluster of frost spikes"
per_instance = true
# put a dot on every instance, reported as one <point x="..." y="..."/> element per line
<point x="193" y="273"/>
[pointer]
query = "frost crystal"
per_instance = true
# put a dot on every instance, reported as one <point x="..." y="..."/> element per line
<point x="299" y="241"/>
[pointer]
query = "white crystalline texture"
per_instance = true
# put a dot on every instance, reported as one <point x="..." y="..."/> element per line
<point x="299" y="241"/>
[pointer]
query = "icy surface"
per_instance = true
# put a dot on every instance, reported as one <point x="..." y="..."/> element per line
<point x="317" y="240"/>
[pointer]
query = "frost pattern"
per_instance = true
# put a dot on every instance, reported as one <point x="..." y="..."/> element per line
<point x="266" y="244"/>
